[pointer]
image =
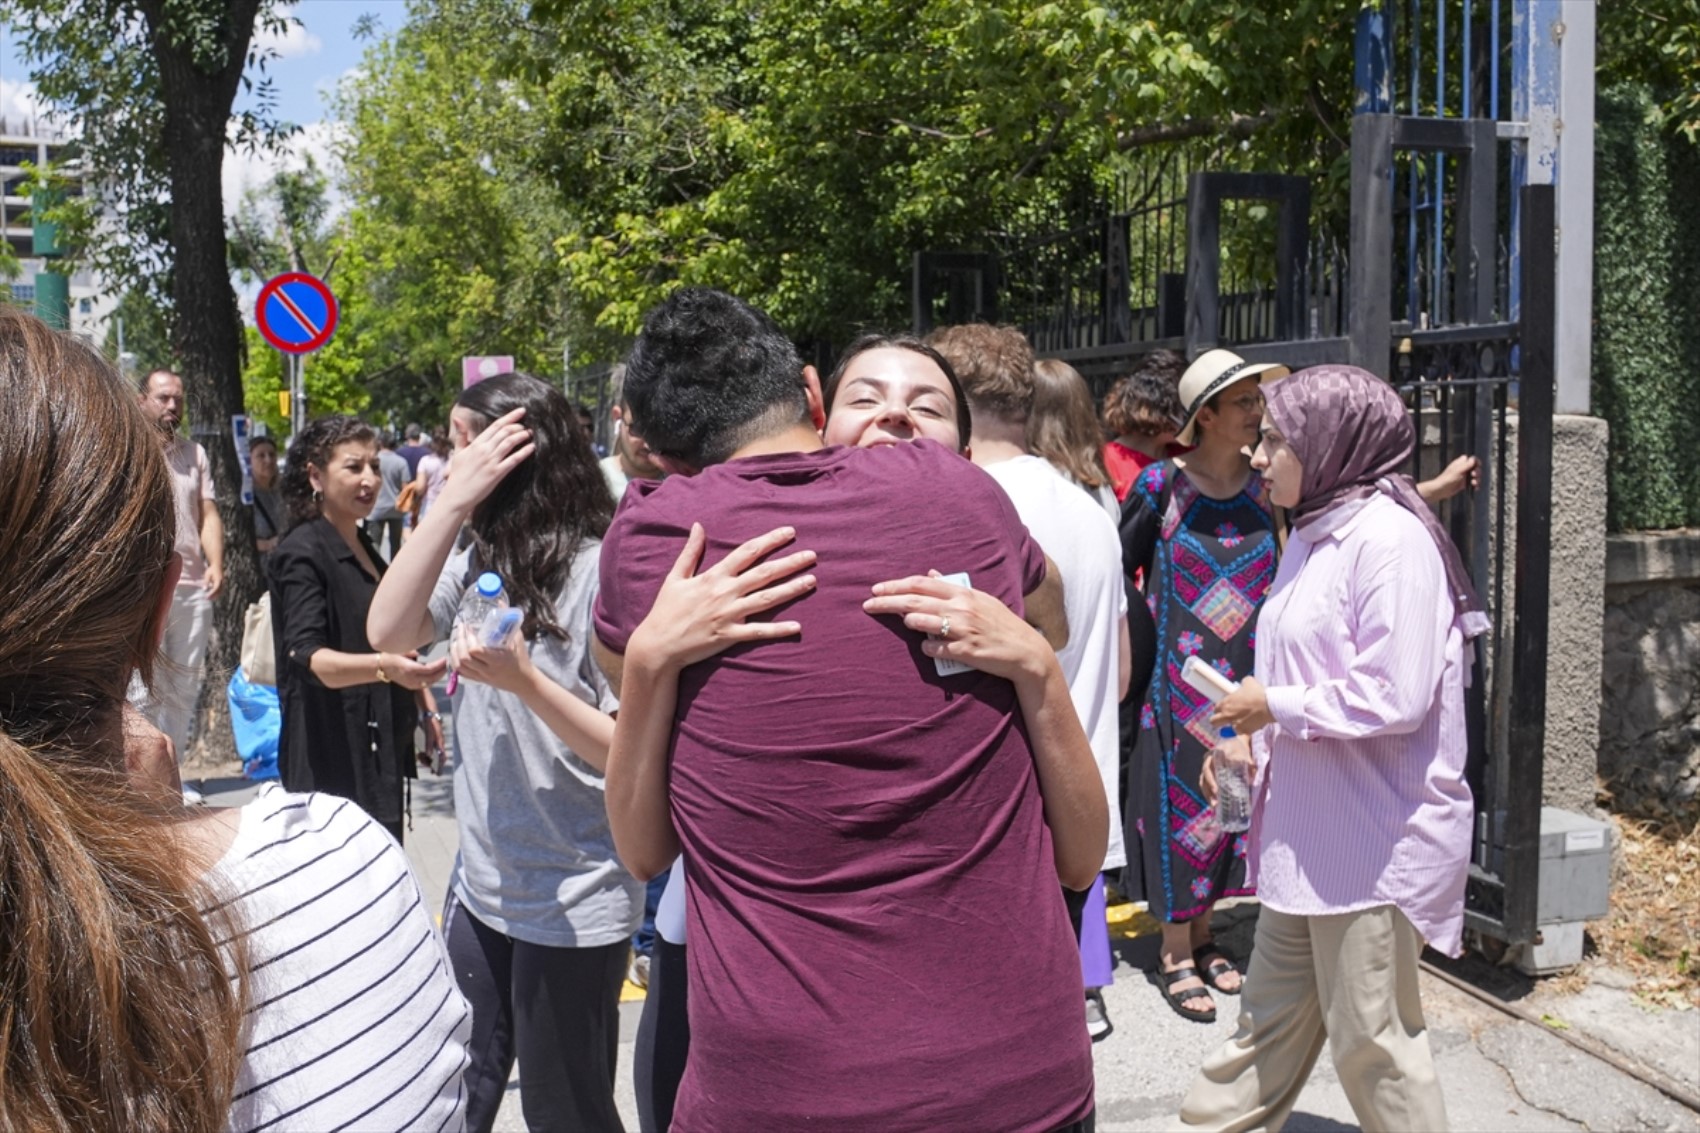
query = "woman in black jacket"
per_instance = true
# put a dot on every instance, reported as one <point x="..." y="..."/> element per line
<point x="348" y="711"/>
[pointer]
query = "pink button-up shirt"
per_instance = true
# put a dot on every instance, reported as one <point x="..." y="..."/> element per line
<point x="1362" y="800"/>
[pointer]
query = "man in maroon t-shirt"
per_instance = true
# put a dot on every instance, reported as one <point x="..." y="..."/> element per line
<point x="877" y="939"/>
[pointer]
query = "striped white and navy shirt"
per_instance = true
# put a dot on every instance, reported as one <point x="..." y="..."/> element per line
<point x="354" y="1020"/>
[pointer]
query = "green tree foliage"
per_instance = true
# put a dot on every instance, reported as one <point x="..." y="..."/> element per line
<point x="448" y="245"/>
<point x="100" y="66"/>
<point x="1656" y="44"/>
<point x="529" y="176"/>
<point x="283" y="226"/>
<point x="146" y="334"/>
<point x="800" y="153"/>
<point x="1647" y="344"/>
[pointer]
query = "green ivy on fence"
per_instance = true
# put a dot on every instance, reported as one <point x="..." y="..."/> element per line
<point x="1647" y="312"/>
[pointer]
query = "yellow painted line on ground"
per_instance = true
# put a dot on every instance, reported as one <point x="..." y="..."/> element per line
<point x="1128" y="921"/>
<point x="631" y="993"/>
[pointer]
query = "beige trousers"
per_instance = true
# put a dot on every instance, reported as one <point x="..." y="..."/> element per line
<point x="1350" y="979"/>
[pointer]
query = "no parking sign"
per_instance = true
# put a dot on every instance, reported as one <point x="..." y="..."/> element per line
<point x="296" y="312"/>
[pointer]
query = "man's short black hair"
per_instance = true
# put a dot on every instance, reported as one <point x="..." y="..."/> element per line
<point x="709" y="374"/>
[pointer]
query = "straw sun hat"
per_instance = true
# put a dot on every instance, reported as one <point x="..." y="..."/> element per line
<point x="1213" y="372"/>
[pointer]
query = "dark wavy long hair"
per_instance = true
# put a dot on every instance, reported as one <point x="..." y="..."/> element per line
<point x="533" y="525"/>
<point x="314" y="446"/>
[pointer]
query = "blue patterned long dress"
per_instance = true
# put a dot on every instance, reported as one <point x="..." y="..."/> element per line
<point x="1208" y="564"/>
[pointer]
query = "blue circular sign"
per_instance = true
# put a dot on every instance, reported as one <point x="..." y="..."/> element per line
<point x="296" y="312"/>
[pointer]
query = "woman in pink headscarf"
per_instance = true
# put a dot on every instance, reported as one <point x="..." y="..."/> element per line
<point x="1361" y="826"/>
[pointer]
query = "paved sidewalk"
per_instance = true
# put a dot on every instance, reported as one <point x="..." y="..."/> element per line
<point x="1498" y="1073"/>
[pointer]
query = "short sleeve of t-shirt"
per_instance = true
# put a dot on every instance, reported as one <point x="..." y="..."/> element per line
<point x="204" y="468"/>
<point x="653" y="521"/>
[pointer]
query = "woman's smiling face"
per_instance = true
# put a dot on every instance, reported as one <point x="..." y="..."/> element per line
<point x="888" y="396"/>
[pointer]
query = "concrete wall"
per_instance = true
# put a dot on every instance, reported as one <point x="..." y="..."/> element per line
<point x="1650" y="683"/>
<point x="1576" y="607"/>
<point x="1577" y="611"/>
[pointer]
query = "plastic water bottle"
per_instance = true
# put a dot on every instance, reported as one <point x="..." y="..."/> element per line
<point x="482" y="606"/>
<point x="485" y="606"/>
<point x="1233" y="788"/>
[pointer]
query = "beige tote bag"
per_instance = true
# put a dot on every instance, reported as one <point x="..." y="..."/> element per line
<point x="259" y="661"/>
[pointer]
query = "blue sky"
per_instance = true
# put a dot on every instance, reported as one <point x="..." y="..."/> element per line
<point x="316" y="54"/>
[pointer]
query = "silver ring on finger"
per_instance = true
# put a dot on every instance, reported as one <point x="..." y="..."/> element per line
<point x="944" y="626"/>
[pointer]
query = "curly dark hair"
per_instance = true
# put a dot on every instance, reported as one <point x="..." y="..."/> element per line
<point x="874" y="341"/>
<point x="1147" y="401"/>
<point x="314" y="446"/>
<point x="533" y="525"/>
<point x="709" y="374"/>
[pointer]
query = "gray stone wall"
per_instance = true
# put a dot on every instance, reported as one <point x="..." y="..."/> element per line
<point x="1650" y="682"/>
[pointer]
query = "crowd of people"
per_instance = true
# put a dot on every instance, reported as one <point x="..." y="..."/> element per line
<point x="834" y="693"/>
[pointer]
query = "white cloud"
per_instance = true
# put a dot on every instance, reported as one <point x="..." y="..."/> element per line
<point x="244" y="172"/>
<point x="292" y="42"/>
<point x="21" y="109"/>
<point x="328" y="86"/>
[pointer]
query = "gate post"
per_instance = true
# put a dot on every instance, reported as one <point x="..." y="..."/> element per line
<point x="1526" y="750"/>
<point x="1369" y="314"/>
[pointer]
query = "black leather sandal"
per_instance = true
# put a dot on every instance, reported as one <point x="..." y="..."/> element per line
<point x="1177" y="1000"/>
<point x="1214" y="964"/>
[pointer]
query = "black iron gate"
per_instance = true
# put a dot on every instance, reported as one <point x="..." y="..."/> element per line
<point x="1483" y="384"/>
<point x="1487" y="390"/>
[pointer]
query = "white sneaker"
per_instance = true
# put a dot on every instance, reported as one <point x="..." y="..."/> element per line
<point x="192" y="797"/>
<point x="637" y="971"/>
<point x="1098" y="1025"/>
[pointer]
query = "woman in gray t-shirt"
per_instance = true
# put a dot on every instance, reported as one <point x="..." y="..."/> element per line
<point x="540" y="911"/>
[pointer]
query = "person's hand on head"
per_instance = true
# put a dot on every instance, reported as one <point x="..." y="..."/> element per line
<point x="486" y="460"/>
<point x="696" y="616"/>
<point x="962" y="624"/>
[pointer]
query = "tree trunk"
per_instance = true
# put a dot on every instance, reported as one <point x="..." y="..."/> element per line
<point x="207" y="325"/>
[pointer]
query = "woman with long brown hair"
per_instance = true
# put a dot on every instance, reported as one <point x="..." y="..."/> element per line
<point x="540" y="913"/>
<point x="149" y="951"/>
<point x="1063" y="428"/>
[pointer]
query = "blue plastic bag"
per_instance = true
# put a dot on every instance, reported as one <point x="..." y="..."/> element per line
<point x="257" y="720"/>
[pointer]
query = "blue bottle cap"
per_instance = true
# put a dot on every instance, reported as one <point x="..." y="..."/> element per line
<point x="489" y="584"/>
<point x="1225" y="734"/>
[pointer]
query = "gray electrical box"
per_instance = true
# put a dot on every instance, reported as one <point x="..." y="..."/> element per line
<point x="1575" y="868"/>
<point x="1575" y="887"/>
